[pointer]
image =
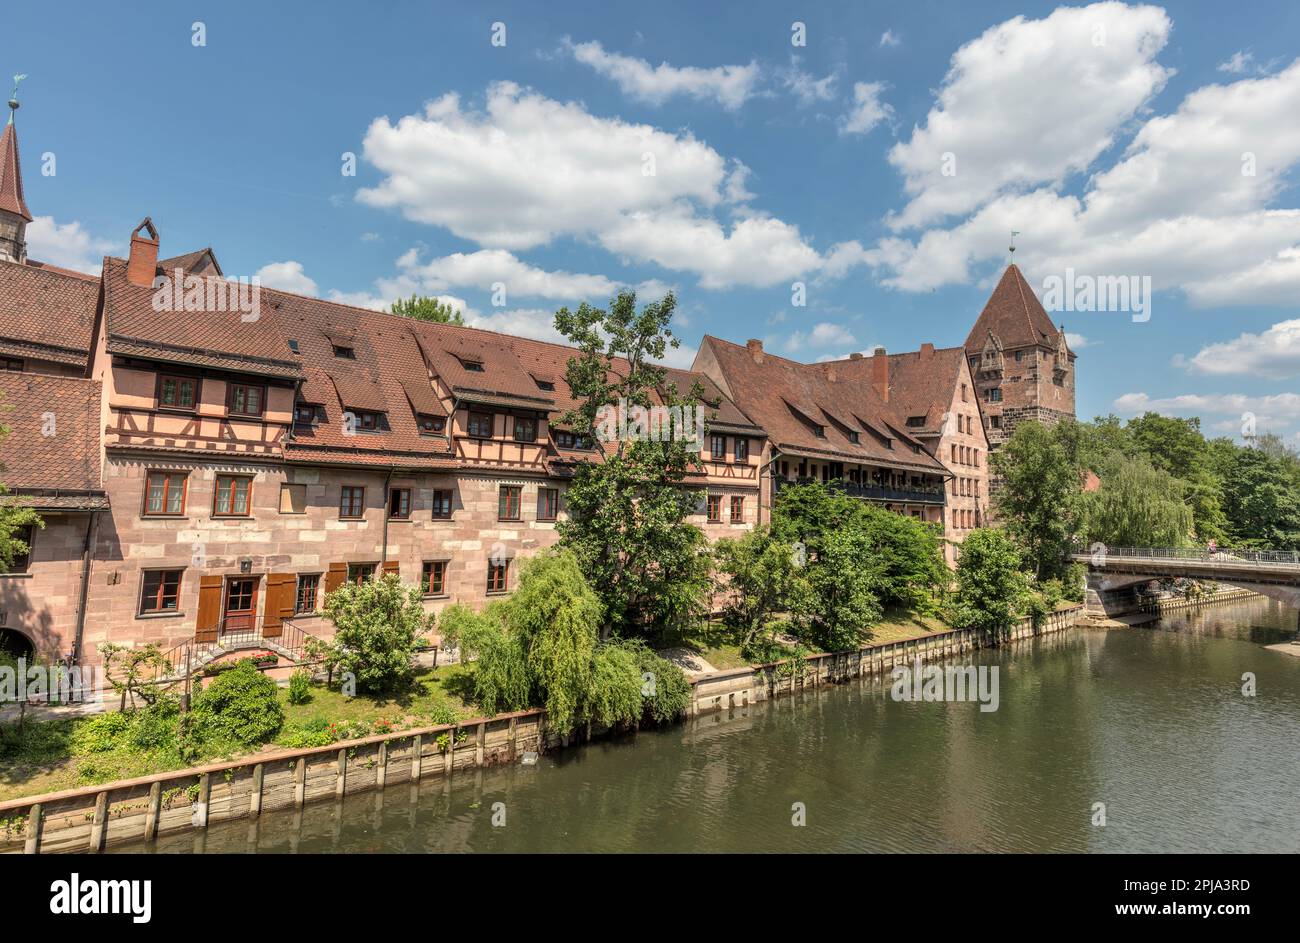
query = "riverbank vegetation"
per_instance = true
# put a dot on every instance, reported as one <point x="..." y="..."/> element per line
<point x="1154" y="481"/>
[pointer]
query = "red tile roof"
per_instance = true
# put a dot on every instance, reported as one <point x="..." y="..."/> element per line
<point x="45" y="313"/>
<point x="11" y="175"/>
<point x="921" y="383"/>
<point x="1013" y="313"/>
<point x="51" y="454"/>
<point x="787" y="399"/>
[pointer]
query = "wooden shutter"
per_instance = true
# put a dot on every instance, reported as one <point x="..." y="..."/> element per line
<point x="208" y="623"/>
<point x="281" y="588"/>
<point x="393" y="566"/>
<point x="335" y="577"/>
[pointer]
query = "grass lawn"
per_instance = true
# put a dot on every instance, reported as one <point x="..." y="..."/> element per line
<point x="719" y="644"/>
<point x="46" y="758"/>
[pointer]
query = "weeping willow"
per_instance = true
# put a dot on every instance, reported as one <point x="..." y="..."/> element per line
<point x="1137" y="506"/>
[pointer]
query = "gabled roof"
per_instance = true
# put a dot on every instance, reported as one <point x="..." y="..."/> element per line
<point x="51" y="471"/>
<point x="200" y="262"/>
<point x="1013" y="313"/>
<point x="11" y="175"/>
<point x="787" y="399"/>
<point x="921" y="384"/>
<point x="46" y="313"/>
<point x="227" y="340"/>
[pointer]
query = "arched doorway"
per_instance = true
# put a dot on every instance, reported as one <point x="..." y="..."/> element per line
<point x="16" y="645"/>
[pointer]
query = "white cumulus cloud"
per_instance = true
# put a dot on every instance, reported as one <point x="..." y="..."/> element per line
<point x="728" y="85"/>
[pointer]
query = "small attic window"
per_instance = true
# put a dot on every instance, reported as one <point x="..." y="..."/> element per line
<point x="346" y="353"/>
<point x="546" y="385"/>
<point x="293" y="345"/>
<point x="819" y="431"/>
<point x="473" y="366"/>
<point x="854" y="437"/>
<point x="915" y="422"/>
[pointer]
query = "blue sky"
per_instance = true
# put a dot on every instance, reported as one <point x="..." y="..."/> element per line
<point x="1113" y="137"/>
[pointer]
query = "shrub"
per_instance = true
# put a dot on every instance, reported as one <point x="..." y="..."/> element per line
<point x="379" y="623"/>
<point x="239" y="707"/>
<point x="317" y="732"/>
<point x="300" y="687"/>
<point x="101" y="733"/>
<point x="991" y="588"/>
<point x="155" y="726"/>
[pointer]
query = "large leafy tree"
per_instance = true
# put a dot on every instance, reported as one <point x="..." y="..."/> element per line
<point x="1137" y="506"/>
<point x="992" y="588"/>
<point x="424" y="308"/>
<point x="1262" y="500"/>
<point x="627" y="522"/>
<point x="760" y="575"/>
<point x="1039" y="497"/>
<point x="1177" y="447"/>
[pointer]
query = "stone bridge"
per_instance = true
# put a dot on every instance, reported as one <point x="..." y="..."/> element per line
<point x="1274" y="573"/>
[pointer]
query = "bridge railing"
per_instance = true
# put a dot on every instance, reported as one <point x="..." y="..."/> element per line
<point x="1286" y="558"/>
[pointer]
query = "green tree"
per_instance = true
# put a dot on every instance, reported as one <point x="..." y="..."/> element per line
<point x="627" y="514"/>
<point x="846" y="582"/>
<point x="1262" y="501"/>
<point x="1137" y="506"/>
<point x="541" y="647"/>
<point x="1177" y="447"/>
<point x="992" y="588"/>
<point x="1038" y="501"/>
<point x="760" y="575"/>
<point x="378" y="624"/>
<point x="424" y="308"/>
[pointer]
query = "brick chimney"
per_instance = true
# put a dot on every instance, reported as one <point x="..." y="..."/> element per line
<point x="856" y="355"/>
<point x="143" y="261"/>
<point x="880" y="372"/>
<point x="927" y="350"/>
<point x="755" y="348"/>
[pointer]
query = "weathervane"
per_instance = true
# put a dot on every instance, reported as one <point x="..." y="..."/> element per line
<point x="1012" y="248"/>
<point x="13" y="97"/>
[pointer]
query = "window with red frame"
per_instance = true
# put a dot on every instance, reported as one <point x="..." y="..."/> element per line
<point x="161" y="591"/>
<point x="508" y="503"/>
<point x="246" y="399"/>
<point x="232" y="498"/>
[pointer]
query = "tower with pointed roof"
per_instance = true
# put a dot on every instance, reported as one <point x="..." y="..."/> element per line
<point x="14" y="215"/>
<point x="1021" y="361"/>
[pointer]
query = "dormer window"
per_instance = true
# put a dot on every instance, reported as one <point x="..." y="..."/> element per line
<point x="819" y="431"/>
<point x="472" y="366"/>
<point x="177" y="392"/>
<point x="546" y="385"/>
<point x="304" y="414"/>
<point x="431" y="425"/>
<point x="853" y="437"/>
<point x="245" y="399"/>
<point x="915" y="422"/>
<point x="570" y="440"/>
<point x="369" y="421"/>
<point x="345" y="353"/>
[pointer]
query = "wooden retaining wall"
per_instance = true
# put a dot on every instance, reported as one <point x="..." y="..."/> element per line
<point x="737" y="687"/>
<point x="95" y="817"/>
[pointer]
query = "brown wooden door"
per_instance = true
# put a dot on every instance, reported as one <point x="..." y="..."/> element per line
<point x="211" y="590"/>
<point x="241" y="604"/>
<point x="281" y="593"/>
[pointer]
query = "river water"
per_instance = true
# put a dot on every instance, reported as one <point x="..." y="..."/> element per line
<point x="1149" y="721"/>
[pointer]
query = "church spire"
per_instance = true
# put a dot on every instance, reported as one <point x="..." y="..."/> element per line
<point x="14" y="215"/>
